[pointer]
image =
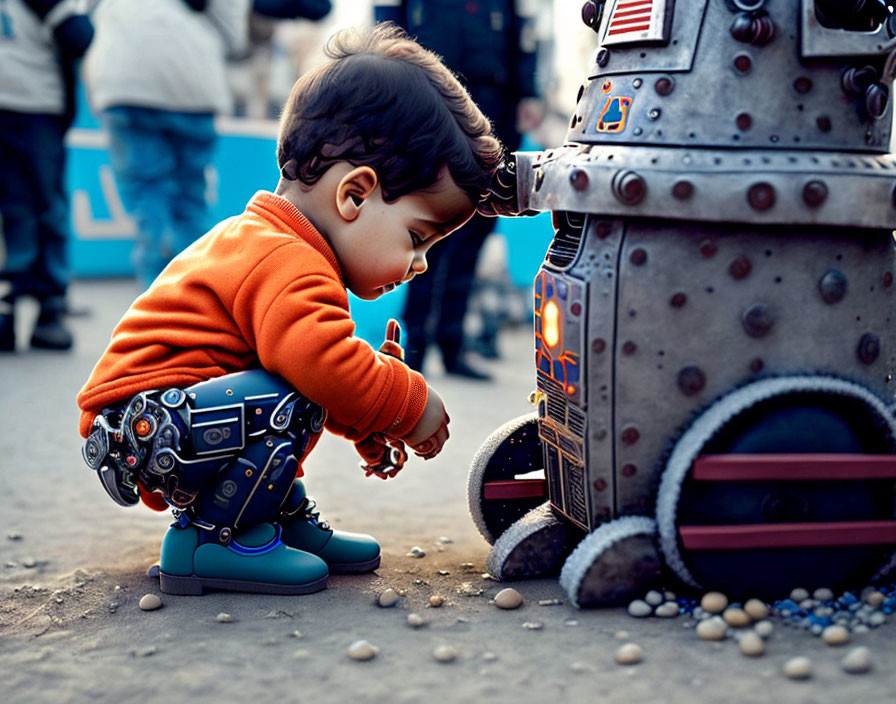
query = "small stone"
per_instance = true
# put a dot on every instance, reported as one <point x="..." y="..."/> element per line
<point x="388" y="598"/>
<point x="857" y="660"/>
<point x="415" y="620"/>
<point x="508" y="598"/>
<point x="669" y="596"/>
<point x="224" y="618"/>
<point x="14" y="535"/>
<point x="798" y="668"/>
<point x="550" y="602"/>
<point x="579" y="667"/>
<point x="799" y="594"/>
<point x="714" y="602"/>
<point x="629" y="654"/>
<point x="621" y="635"/>
<point x="446" y="540"/>
<point x="145" y="652"/>
<point x="654" y="598"/>
<point x="362" y="650"/>
<point x="571" y="623"/>
<point x="861" y="628"/>
<point x="435" y="601"/>
<point x="301" y="654"/>
<point x="751" y="644"/>
<point x="416" y="551"/>
<point x="756" y="609"/>
<point x="835" y="635"/>
<point x="29" y="562"/>
<point x="297" y="634"/>
<point x="876" y="599"/>
<point x="807" y="604"/>
<point x="533" y="625"/>
<point x="877" y="619"/>
<point x="150" y="602"/>
<point x="445" y="653"/>
<point x="823" y="594"/>
<point x="667" y="610"/>
<point x="737" y="618"/>
<point x="764" y="628"/>
<point x="639" y="608"/>
<point x="713" y="628"/>
<point x="444" y="573"/>
<point x="489" y="656"/>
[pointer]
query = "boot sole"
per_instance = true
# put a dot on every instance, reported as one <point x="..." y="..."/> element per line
<point x="354" y="567"/>
<point x="195" y="586"/>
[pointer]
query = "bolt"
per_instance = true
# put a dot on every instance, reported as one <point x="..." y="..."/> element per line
<point x="638" y="256"/>
<point x="691" y="380"/>
<point x="757" y="320"/>
<point x="629" y="347"/>
<point x="683" y="189"/>
<point x="761" y="196"/>
<point x="868" y="349"/>
<point x="628" y="187"/>
<point x="579" y="179"/>
<point x="740" y="268"/>
<point x="815" y="193"/>
<point x="678" y="300"/>
<point x="832" y="286"/>
<point x="630" y="435"/>
<point x="664" y="85"/>
<point x="802" y="85"/>
<point x="743" y="121"/>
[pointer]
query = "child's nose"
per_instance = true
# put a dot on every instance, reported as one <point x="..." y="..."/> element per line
<point x="419" y="265"/>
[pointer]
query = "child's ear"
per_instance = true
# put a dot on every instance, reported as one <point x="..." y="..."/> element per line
<point x="353" y="189"/>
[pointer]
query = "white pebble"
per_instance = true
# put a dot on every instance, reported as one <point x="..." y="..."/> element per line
<point x="877" y="619"/>
<point x="861" y="628"/>
<point x="807" y="604"/>
<point x="835" y="635"/>
<point x="764" y="628"/>
<point x="415" y="620"/>
<point x="713" y="628"/>
<point x="362" y="650"/>
<point x="639" y="608"/>
<point x="622" y="635"/>
<point x="150" y="602"/>
<point x="508" y="598"/>
<point x="735" y="617"/>
<point x="714" y="602"/>
<point x="875" y="599"/>
<point x="667" y="610"/>
<point x="445" y="653"/>
<point x="756" y="609"/>
<point x="823" y="594"/>
<point x="799" y="594"/>
<point x="669" y="596"/>
<point x="388" y="598"/>
<point x="654" y="598"/>
<point x="224" y="618"/>
<point x="533" y="625"/>
<point x="798" y="668"/>
<point x="416" y="551"/>
<point x="629" y="654"/>
<point x="751" y="644"/>
<point x="857" y="660"/>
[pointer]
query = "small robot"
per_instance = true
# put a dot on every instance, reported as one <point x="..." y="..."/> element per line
<point x="715" y="321"/>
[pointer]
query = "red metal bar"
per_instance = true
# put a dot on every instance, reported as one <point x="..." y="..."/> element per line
<point x="797" y="467"/>
<point x="788" y="535"/>
<point x="515" y="489"/>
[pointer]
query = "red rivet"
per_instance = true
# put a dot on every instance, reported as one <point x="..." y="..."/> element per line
<point x="629" y="347"/>
<point x="678" y="300"/>
<point x="629" y="470"/>
<point x="599" y="345"/>
<point x="630" y="436"/>
<point x="600" y="484"/>
<point x="743" y="121"/>
<point x="761" y="196"/>
<point x="575" y="308"/>
<point x="579" y="179"/>
<point x="708" y="249"/>
<point x="682" y="190"/>
<point x="740" y="268"/>
<point x="756" y="365"/>
<point x="638" y="256"/>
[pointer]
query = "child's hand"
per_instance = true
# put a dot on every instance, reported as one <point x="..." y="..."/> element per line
<point x="431" y="431"/>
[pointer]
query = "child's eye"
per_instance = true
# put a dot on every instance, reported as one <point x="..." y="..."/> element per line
<point x="416" y="240"/>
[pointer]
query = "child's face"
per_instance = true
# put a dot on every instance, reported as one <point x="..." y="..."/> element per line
<point x="386" y="244"/>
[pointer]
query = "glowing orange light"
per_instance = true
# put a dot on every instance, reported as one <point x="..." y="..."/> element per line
<point x="570" y="389"/>
<point x="142" y="426"/>
<point x="551" y="324"/>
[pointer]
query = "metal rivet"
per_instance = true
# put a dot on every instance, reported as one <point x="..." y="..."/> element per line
<point x="683" y="189"/>
<point x="575" y="308"/>
<point x="579" y="179"/>
<point x="600" y="484"/>
<point x="868" y="349"/>
<point x="629" y="347"/>
<point x="638" y="256"/>
<point x="630" y="435"/>
<point x="603" y="57"/>
<point x="664" y="85"/>
<point x="629" y="470"/>
<point x="603" y="229"/>
<point x="802" y="84"/>
<point x="691" y="380"/>
<point x="590" y="14"/>
<point x="761" y="196"/>
<point x="824" y="123"/>
<point x="742" y="63"/>
<point x="629" y="187"/>
<point x="229" y="392"/>
<point x="598" y="345"/>
<point x="601" y="434"/>
<point x="708" y="249"/>
<point x="832" y="286"/>
<point x="815" y="193"/>
<point x="757" y="320"/>
<point x="740" y="268"/>
<point x="637" y="83"/>
<point x="678" y="300"/>
<point x="743" y="121"/>
<point x="756" y="365"/>
<point x="654" y="113"/>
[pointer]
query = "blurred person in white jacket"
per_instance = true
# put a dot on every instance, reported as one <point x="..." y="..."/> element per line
<point x="156" y="76"/>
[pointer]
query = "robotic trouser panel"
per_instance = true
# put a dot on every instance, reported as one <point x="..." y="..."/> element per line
<point x="223" y="453"/>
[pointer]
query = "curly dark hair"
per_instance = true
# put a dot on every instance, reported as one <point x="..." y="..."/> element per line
<point x="384" y="101"/>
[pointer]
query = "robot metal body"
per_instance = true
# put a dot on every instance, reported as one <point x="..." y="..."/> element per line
<point x="715" y="335"/>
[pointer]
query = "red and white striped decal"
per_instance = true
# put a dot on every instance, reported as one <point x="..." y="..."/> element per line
<point x="636" y="20"/>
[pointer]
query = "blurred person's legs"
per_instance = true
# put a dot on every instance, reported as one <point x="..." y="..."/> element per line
<point x="148" y="148"/>
<point x="34" y="207"/>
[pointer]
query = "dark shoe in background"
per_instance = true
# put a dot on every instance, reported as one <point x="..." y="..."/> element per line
<point x="7" y="332"/>
<point x="50" y="332"/>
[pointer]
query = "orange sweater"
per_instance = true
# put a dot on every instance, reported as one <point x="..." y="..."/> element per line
<point x="260" y="289"/>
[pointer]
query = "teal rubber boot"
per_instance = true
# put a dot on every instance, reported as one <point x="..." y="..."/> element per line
<point x="256" y="560"/>
<point x="343" y="552"/>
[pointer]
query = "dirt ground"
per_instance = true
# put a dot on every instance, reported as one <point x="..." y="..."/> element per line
<point x="73" y="568"/>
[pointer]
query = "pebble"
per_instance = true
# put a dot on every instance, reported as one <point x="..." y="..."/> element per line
<point x="654" y="598"/>
<point x="150" y="602"/>
<point x="445" y="653"/>
<point x="713" y="628"/>
<point x="639" y="608"/>
<point x="751" y="644"/>
<point x="224" y="618"/>
<point x="875" y="599"/>
<point x="714" y="602"/>
<point x="508" y="598"/>
<point x="533" y="625"/>
<point x="738" y="618"/>
<point x="835" y="635"/>
<point x="388" y="598"/>
<point x="489" y="656"/>
<point x="877" y="619"/>
<point x="571" y="623"/>
<point x="857" y="660"/>
<point x="29" y="562"/>
<point x="415" y="620"/>
<point x="798" y="668"/>
<point x="436" y="601"/>
<point x="756" y="609"/>
<point x="629" y="654"/>
<point x="297" y="634"/>
<point x="764" y="628"/>
<point x="416" y="551"/>
<point x="622" y="635"/>
<point x="362" y="650"/>
<point x="823" y="594"/>
<point x="14" y="535"/>
<point x="145" y="652"/>
<point x="667" y="610"/>
<point x="550" y="602"/>
<point x="799" y="594"/>
<point x="301" y="654"/>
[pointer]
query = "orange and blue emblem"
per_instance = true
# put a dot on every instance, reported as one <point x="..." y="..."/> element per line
<point x="614" y="114"/>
